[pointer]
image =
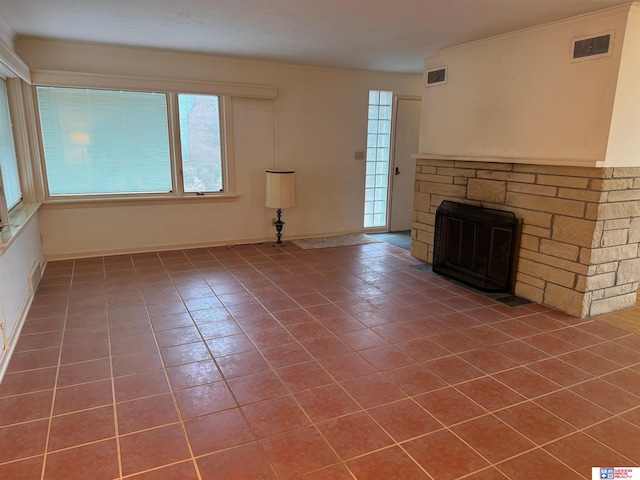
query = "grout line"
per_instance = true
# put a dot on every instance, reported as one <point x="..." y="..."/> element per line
<point x="55" y="384"/>
<point x="248" y="262"/>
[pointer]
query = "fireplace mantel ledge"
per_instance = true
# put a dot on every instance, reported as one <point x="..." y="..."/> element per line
<point x="555" y="162"/>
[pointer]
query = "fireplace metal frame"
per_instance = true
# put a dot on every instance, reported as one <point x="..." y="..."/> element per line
<point x="476" y="245"/>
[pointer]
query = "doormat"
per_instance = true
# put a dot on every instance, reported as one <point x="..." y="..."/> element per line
<point x="336" y="241"/>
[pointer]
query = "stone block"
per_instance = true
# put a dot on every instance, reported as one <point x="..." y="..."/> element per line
<point x="628" y="271"/>
<point x="560" y="206"/>
<point x="424" y="237"/>
<point x="567" y="300"/>
<point x="425" y="177"/>
<point x="621" y="289"/>
<point x="634" y="230"/>
<point x="611" y="238"/>
<point x="584" y="195"/>
<point x="531" y="189"/>
<point x="618" y="223"/>
<point x="427" y="169"/>
<point x="619" y="172"/>
<point x="530" y="242"/>
<point x="555" y="262"/>
<point x="454" y="191"/>
<point x="564" y="171"/>
<point x="529" y="280"/>
<point x="484" y="165"/>
<point x="612" y="304"/>
<point x="559" y="249"/>
<point x="426" y="218"/>
<point x="591" y="211"/>
<point x="599" y="268"/>
<point x="624" y="196"/>
<point x="419" y="250"/>
<point x="435" y="163"/>
<point x="421" y="201"/>
<point x="563" y="181"/>
<point x="529" y="292"/>
<point x="610" y="254"/>
<point x="530" y="217"/>
<point x="486" y="190"/>
<point x="573" y="231"/>
<point x="546" y="272"/>
<point x="507" y="176"/>
<point x="536" y="231"/>
<point x="596" y="282"/>
<point x="460" y="180"/>
<point x="605" y="184"/>
<point x="457" y="172"/>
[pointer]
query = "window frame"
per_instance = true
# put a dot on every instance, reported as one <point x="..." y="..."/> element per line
<point x="175" y="155"/>
<point x="5" y="210"/>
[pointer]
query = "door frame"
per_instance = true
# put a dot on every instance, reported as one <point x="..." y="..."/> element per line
<point x="392" y="152"/>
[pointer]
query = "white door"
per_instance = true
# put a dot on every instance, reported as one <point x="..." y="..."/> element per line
<point x="403" y="167"/>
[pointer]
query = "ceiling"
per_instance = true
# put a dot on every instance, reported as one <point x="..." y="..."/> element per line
<point x="380" y="35"/>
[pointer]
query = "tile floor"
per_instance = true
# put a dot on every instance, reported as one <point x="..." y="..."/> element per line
<point x="261" y="363"/>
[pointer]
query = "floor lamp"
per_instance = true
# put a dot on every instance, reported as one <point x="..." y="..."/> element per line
<point x="280" y="195"/>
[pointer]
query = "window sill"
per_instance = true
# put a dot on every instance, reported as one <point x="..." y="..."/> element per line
<point x="19" y="218"/>
<point x="134" y="201"/>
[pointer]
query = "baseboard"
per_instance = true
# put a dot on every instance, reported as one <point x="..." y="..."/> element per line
<point x="5" y="355"/>
<point x="154" y="248"/>
<point x="187" y="246"/>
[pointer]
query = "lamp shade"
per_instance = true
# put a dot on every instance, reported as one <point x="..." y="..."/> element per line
<point x="280" y="188"/>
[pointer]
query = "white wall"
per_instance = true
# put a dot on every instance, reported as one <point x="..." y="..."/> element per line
<point x="320" y="122"/>
<point x="520" y="97"/>
<point x="624" y="138"/>
<point x="15" y="297"/>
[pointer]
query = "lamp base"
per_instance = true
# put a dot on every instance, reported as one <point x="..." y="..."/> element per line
<point x="278" y="224"/>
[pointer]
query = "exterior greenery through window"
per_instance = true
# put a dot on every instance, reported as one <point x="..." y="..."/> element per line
<point x="107" y="142"/>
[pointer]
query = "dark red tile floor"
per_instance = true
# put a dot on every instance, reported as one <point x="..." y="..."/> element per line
<point x="347" y="363"/>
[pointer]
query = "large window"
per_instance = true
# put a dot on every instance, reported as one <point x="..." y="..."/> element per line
<point x="377" y="169"/>
<point x="105" y="142"/>
<point x="8" y="162"/>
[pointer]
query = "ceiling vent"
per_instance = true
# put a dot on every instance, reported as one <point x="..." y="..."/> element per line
<point x="591" y="47"/>
<point x="436" y="76"/>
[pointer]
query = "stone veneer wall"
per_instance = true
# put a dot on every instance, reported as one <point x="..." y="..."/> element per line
<point x="579" y="250"/>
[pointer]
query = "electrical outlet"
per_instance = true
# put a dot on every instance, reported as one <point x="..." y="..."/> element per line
<point x="5" y="340"/>
<point x="359" y="156"/>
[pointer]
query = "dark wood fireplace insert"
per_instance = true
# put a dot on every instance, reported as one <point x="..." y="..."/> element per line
<point x="476" y="245"/>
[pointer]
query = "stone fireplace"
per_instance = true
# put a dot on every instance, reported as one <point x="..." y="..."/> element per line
<point x="579" y="248"/>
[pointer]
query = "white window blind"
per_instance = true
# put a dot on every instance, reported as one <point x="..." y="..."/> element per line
<point x="8" y="161"/>
<point x="104" y="142"/>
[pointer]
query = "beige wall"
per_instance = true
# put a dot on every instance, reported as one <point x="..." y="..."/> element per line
<point x="624" y="138"/>
<point x="320" y="122"/>
<point x="522" y="98"/>
<point x="15" y="297"/>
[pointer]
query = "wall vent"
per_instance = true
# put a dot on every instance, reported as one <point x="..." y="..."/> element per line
<point x="436" y="76"/>
<point x="590" y="47"/>
<point x="34" y="276"/>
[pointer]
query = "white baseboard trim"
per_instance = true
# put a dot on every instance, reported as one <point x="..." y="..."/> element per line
<point x="5" y="355"/>
<point x="187" y="246"/>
